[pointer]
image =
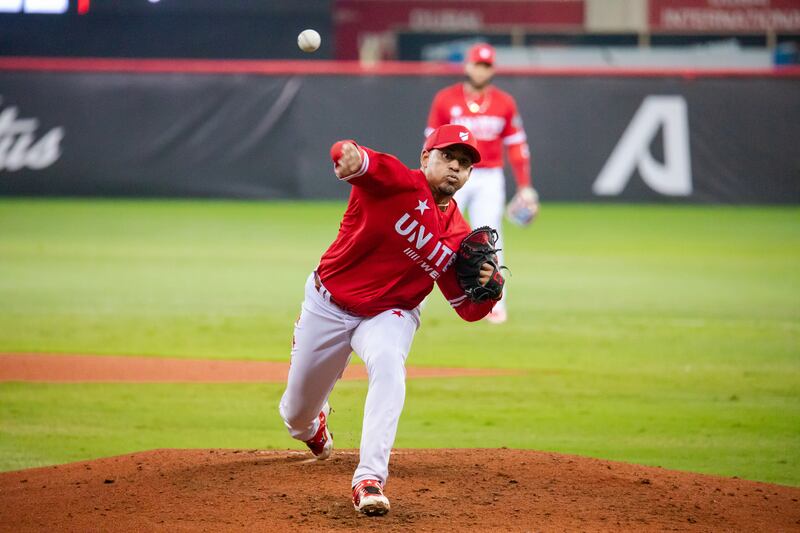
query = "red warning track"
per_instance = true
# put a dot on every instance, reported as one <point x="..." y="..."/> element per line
<point x="88" y="368"/>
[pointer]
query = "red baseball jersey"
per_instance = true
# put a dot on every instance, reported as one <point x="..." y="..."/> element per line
<point x="493" y="118"/>
<point x="394" y="243"/>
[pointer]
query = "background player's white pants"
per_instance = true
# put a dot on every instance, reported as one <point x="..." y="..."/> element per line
<point x="324" y="337"/>
<point x="483" y="200"/>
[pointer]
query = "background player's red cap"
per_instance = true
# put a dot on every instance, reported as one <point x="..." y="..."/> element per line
<point x="452" y="134"/>
<point x="481" y="53"/>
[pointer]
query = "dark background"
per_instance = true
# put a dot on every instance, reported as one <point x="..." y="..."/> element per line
<point x="266" y="29"/>
<point x="257" y="136"/>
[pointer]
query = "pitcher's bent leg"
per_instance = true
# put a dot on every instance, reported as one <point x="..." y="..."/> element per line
<point x="320" y="352"/>
<point x="383" y="342"/>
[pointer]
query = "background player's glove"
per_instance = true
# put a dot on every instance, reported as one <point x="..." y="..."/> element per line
<point x="523" y="207"/>
<point x="477" y="249"/>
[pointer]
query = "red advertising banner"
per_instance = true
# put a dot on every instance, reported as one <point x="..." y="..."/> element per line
<point x="725" y="15"/>
<point x="355" y="19"/>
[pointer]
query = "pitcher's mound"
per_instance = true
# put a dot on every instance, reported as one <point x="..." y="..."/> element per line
<point x="430" y="490"/>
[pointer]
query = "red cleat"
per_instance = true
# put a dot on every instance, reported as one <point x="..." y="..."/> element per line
<point x="321" y="444"/>
<point x="368" y="498"/>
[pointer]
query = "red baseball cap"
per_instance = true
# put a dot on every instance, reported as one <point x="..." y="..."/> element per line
<point x="481" y="53"/>
<point x="452" y="134"/>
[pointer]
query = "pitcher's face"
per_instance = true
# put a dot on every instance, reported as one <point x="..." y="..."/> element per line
<point x="447" y="169"/>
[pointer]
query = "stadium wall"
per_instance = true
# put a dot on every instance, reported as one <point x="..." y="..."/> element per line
<point x="250" y="129"/>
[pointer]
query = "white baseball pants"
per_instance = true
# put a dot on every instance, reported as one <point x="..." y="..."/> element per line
<point x="324" y="337"/>
<point x="483" y="199"/>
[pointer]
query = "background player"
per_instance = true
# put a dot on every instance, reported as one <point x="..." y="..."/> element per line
<point x="491" y="114"/>
<point x="398" y="236"/>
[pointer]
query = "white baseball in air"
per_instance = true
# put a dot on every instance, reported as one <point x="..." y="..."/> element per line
<point x="308" y="40"/>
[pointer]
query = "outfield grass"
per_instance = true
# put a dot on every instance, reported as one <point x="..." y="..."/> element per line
<point x="651" y="334"/>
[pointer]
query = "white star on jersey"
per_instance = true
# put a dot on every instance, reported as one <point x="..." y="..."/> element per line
<point x="423" y="205"/>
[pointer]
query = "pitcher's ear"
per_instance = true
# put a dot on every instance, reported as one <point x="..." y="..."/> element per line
<point x="423" y="159"/>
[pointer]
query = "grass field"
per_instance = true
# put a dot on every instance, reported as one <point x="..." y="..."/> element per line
<point x="651" y="334"/>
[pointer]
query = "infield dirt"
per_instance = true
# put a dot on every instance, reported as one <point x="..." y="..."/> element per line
<point x="67" y="368"/>
<point x="430" y="490"/>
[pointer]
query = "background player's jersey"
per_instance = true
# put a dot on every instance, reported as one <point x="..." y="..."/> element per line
<point x="493" y="119"/>
<point x="394" y="243"/>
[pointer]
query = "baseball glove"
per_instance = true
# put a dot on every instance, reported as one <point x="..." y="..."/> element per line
<point x="477" y="249"/>
<point x="523" y="207"/>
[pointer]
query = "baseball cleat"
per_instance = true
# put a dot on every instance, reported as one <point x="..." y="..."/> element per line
<point x="321" y="444"/>
<point x="497" y="316"/>
<point x="368" y="498"/>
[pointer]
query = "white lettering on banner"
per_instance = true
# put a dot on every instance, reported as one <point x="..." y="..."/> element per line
<point x="17" y="146"/>
<point x="445" y="19"/>
<point x="696" y="18"/>
<point x="739" y="3"/>
<point x="674" y="177"/>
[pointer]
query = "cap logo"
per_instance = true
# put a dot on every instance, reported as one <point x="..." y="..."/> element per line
<point x="464" y="135"/>
<point x="484" y="53"/>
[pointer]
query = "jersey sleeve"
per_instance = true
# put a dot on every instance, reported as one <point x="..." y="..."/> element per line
<point x="466" y="308"/>
<point x="438" y="114"/>
<point x="513" y="132"/>
<point x="381" y="172"/>
<point x="516" y="142"/>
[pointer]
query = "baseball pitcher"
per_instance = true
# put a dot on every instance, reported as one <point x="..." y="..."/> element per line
<point x="400" y="234"/>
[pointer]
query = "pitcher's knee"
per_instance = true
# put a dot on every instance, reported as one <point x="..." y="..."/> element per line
<point x="298" y="420"/>
<point x="387" y="366"/>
